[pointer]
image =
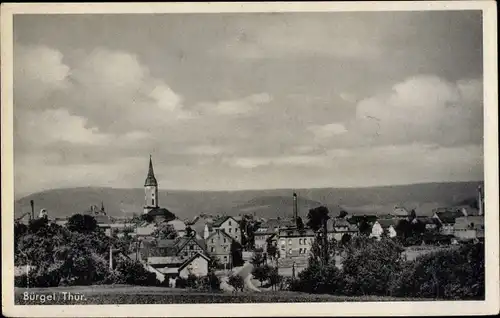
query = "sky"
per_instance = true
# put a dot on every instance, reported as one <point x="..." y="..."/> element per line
<point x="247" y="100"/>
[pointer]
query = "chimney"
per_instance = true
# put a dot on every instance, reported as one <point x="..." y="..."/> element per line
<point x="480" y="200"/>
<point x="295" y="212"/>
<point x="32" y="209"/>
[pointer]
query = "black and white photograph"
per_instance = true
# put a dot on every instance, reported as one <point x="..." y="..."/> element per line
<point x="214" y="155"/>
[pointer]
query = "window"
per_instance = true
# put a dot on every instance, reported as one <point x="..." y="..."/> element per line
<point x="212" y="249"/>
<point x="185" y="253"/>
<point x="225" y="248"/>
<point x="290" y="241"/>
<point x="153" y="201"/>
<point x="229" y="230"/>
<point x="236" y="236"/>
<point x="290" y="251"/>
<point x="235" y="230"/>
<point x="212" y="240"/>
<point x="224" y="240"/>
<point x="300" y="250"/>
<point x="191" y="247"/>
<point x="225" y="258"/>
<point x="229" y="223"/>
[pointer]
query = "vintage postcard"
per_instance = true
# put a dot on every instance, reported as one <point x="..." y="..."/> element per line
<point x="249" y="159"/>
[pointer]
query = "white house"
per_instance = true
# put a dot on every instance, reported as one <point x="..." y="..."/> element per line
<point x="380" y="226"/>
<point x="197" y="265"/>
<point x="228" y="224"/>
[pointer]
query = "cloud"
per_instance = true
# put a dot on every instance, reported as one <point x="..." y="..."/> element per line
<point x="306" y="36"/>
<point x="39" y="71"/>
<point x="424" y="109"/>
<point x="237" y="107"/>
<point x="328" y="130"/>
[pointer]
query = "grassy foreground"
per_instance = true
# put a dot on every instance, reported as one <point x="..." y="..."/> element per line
<point x="159" y="295"/>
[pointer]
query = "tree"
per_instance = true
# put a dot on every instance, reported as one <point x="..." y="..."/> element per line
<point x="237" y="282"/>
<point x="272" y="250"/>
<point x="317" y="217"/>
<point x="236" y="254"/>
<point x="165" y="231"/>
<point x="364" y="227"/>
<point x="370" y="265"/>
<point x="413" y="215"/>
<point x="82" y="223"/>
<point x="346" y="239"/>
<point x="274" y="278"/>
<point x="300" y="224"/>
<point x="190" y="232"/>
<point x="261" y="273"/>
<point x="257" y="258"/>
<point x="342" y="214"/>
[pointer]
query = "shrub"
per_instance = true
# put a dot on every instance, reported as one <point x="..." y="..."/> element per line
<point x="134" y="273"/>
<point x="180" y="282"/>
<point x="236" y="281"/>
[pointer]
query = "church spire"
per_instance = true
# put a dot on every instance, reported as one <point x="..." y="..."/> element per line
<point x="150" y="179"/>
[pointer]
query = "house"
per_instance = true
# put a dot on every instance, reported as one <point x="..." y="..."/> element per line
<point x="267" y="230"/>
<point x="430" y="223"/>
<point x="189" y="246"/>
<point x="174" y="266"/>
<point x="446" y="218"/>
<point x="145" y="229"/>
<point x="196" y="265"/>
<point x="469" y="228"/>
<point x="338" y="227"/>
<point x="387" y="226"/>
<point x="198" y="225"/>
<point x="229" y="225"/>
<point x="400" y="212"/>
<point x="219" y="246"/>
<point x="294" y="243"/>
<point x="179" y="226"/>
<point x="357" y="219"/>
<point x="180" y="246"/>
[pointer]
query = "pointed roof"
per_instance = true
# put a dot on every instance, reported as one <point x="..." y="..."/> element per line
<point x="150" y="179"/>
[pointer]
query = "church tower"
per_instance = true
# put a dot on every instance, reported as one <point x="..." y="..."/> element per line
<point x="150" y="190"/>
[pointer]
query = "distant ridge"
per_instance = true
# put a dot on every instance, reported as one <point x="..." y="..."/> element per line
<point x="266" y="203"/>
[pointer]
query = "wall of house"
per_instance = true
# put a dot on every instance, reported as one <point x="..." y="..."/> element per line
<point x="198" y="267"/>
<point x="232" y="228"/>
<point x="465" y="234"/>
<point x="190" y="249"/>
<point x="448" y="229"/>
<point x="219" y="245"/>
<point x="377" y="230"/>
<point x="295" y="246"/>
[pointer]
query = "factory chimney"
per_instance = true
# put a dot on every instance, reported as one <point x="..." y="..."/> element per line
<point x="480" y="200"/>
<point x="32" y="203"/>
<point x="295" y="209"/>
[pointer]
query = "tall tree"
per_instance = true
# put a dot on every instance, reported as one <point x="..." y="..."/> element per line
<point x="82" y="223"/>
<point x="300" y="224"/>
<point x="165" y="231"/>
<point x="317" y="217"/>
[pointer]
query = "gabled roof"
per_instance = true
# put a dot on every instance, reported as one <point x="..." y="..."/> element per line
<point x="218" y="222"/>
<point x="166" y="260"/>
<point x="386" y="223"/>
<point x="449" y="216"/>
<point x="354" y="219"/>
<point x="221" y="232"/>
<point x="183" y="241"/>
<point x="294" y="232"/>
<point x="334" y="223"/>
<point x="161" y="212"/>
<point x="192" y="258"/>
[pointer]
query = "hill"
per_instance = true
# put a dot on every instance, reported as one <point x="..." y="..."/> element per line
<point x="265" y="203"/>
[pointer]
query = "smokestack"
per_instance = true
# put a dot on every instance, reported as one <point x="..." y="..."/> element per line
<point x="32" y="203"/>
<point x="480" y="200"/>
<point x="295" y="210"/>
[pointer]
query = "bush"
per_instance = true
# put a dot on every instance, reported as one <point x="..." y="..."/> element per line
<point x="449" y="274"/>
<point x="180" y="282"/>
<point x="237" y="282"/>
<point x="134" y="273"/>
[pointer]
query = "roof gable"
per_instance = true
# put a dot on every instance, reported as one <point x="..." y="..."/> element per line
<point x="191" y="259"/>
<point x="219" y="232"/>
<point x="220" y="221"/>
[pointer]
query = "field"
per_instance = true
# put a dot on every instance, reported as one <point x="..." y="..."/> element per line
<point x="159" y="295"/>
